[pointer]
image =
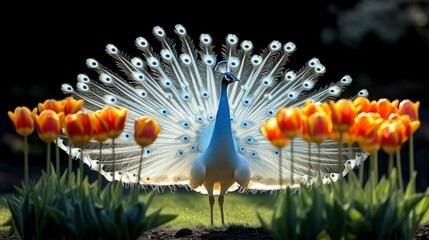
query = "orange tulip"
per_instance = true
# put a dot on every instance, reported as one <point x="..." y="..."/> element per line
<point x="113" y="120"/>
<point x="272" y="132"/>
<point x="367" y="124"/>
<point x="343" y="114"/>
<point x="78" y="127"/>
<point x="410" y="126"/>
<point x="72" y="105"/>
<point x="52" y="104"/>
<point x="365" y="131"/>
<point x="372" y="143"/>
<point x="98" y="133"/>
<point x="407" y="107"/>
<point x="319" y="126"/>
<point x="48" y="124"/>
<point x="393" y="135"/>
<point x="22" y="121"/>
<point x="289" y="121"/>
<point x="362" y="104"/>
<point x="310" y="108"/>
<point x="146" y="130"/>
<point x="385" y="107"/>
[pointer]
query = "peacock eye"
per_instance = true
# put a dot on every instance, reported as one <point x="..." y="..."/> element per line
<point x="111" y="49"/>
<point x="180" y="29"/>
<point x="246" y="45"/>
<point x="232" y="39"/>
<point x="159" y="31"/>
<point x="82" y="78"/>
<point x="91" y="63"/>
<point x="275" y="45"/>
<point x="289" y="47"/>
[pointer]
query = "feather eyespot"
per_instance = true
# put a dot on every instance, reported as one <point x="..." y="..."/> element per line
<point x="159" y="31"/>
<point x="142" y="42"/>
<point x="289" y="47"/>
<point x="180" y="29"/>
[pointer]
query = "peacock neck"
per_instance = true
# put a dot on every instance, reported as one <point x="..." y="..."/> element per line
<point x="222" y="138"/>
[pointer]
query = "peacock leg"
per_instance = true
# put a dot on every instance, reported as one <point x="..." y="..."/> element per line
<point x="211" y="203"/>
<point x="209" y="188"/>
<point x="220" y="200"/>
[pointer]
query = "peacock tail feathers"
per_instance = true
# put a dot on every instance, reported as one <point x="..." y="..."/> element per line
<point x="179" y="87"/>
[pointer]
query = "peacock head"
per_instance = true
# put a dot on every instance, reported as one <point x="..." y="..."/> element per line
<point x="227" y="76"/>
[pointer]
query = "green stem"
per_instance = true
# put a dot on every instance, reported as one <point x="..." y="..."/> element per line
<point x="376" y="165"/>
<point x="310" y="164"/>
<point x="399" y="167"/>
<point x="140" y="166"/>
<point x="280" y="168"/>
<point x="340" y="155"/>
<point x="361" y="168"/>
<point x="292" y="162"/>
<point x="319" y="155"/>
<point x="411" y="155"/>
<point x="70" y="165"/>
<point x="26" y="169"/>
<point x="48" y="157"/>
<point x="390" y="165"/>
<point x="340" y="162"/>
<point x="81" y="165"/>
<point x="99" y="168"/>
<point x="114" y="158"/>
<point x="57" y="159"/>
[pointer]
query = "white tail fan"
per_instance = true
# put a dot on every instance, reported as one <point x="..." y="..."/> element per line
<point x="180" y="88"/>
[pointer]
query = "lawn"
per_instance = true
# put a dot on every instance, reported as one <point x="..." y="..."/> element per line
<point x="192" y="208"/>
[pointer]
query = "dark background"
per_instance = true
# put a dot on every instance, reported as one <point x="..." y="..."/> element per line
<point x="382" y="45"/>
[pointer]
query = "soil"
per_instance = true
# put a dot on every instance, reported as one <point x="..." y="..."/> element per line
<point x="228" y="232"/>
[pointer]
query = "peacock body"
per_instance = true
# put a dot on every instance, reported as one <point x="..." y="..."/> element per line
<point x="210" y="113"/>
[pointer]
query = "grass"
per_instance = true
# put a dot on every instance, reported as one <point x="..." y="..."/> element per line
<point x="192" y="208"/>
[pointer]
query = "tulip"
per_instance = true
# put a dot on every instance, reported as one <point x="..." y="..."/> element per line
<point x="24" y="125"/>
<point x="310" y="108"/>
<point x="99" y="135"/>
<point x="385" y="107"/>
<point x="319" y="126"/>
<point x="52" y="104"/>
<point x="98" y="132"/>
<point x="393" y="135"/>
<point x="365" y="131"/>
<point x="79" y="127"/>
<point x="362" y="104"/>
<point x="48" y="126"/>
<point x="343" y="114"/>
<point x="113" y="121"/>
<point x="289" y="121"/>
<point x="272" y="132"/>
<point x="22" y="121"/>
<point x="72" y="105"/>
<point x="407" y="107"/>
<point x="146" y="130"/>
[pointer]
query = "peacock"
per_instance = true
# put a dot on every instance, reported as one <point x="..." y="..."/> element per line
<point x="210" y="109"/>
